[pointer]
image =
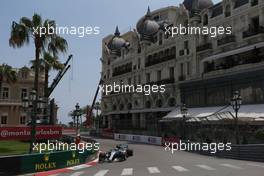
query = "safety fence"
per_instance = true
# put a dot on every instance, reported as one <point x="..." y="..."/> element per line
<point x="139" y="138"/>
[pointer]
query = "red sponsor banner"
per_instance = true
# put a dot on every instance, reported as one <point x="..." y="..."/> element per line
<point x="69" y="131"/>
<point x="24" y="133"/>
<point x="107" y="135"/>
<point x="170" y="140"/>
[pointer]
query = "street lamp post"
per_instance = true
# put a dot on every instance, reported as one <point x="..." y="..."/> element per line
<point x="77" y="115"/>
<point x="34" y="107"/>
<point x="97" y="107"/>
<point x="184" y="112"/>
<point x="236" y="102"/>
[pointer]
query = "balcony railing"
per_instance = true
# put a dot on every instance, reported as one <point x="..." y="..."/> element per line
<point x="230" y="63"/>
<point x="204" y="47"/>
<point x="239" y="3"/>
<point x="184" y="52"/>
<point x="122" y="69"/>
<point x="7" y="101"/>
<point x="121" y="72"/>
<point x="225" y="40"/>
<point x="181" y="52"/>
<point x="253" y="31"/>
<point x="159" y="60"/>
<point x="163" y="81"/>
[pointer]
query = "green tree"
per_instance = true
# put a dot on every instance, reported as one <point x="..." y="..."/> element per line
<point x="8" y="74"/>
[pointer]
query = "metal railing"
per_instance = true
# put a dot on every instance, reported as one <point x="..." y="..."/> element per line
<point x="8" y="100"/>
<point x="253" y="31"/>
<point x="204" y="47"/>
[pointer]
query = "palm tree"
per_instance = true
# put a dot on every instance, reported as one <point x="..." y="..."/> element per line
<point x="21" y="33"/>
<point x="24" y="30"/>
<point x="56" y="45"/>
<point x="8" y="74"/>
<point x="83" y="111"/>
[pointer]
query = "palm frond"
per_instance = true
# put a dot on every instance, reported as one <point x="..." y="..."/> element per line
<point x="26" y="22"/>
<point x="7" y="72"/>
<point x="57" y="44"/>
<point x="19" y="35"/>
<point x="36" y="20"/>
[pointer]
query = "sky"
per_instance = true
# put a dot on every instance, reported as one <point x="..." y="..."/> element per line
<point x="80" y="83"/>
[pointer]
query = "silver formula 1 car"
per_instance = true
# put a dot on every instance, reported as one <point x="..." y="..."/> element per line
<point x="120" y="153"/>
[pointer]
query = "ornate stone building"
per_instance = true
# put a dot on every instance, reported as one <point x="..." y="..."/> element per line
<point x="198" y="70"/>
<point x="11" y="111"/>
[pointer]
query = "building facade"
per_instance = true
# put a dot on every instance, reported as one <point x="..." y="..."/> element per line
<point x="198" y="70"/>
<point x="12" y="93"/>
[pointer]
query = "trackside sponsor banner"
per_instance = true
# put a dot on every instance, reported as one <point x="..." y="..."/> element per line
<point x="24" y="133"/>
<point x="139" y="138"/>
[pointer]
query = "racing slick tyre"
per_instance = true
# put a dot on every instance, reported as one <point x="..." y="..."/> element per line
<point x="102" y="157"/>
<point x="130" y="152"/>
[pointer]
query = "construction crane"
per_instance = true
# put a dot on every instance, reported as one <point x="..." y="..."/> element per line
<point x="54" y="85"/>
<point x="89" y="111"/>
<point x="60" y="75"/>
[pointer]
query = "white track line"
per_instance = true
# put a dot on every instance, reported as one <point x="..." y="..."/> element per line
<point x="180" y="168"/>
<point x="231" y="166"/>
<point x="101" y="173"/>
<point x="82" y="166"/>
<point x="153" y="170"/>
<point x="77" y="173"/>
<point x="205" y="167"/>
<point x="255" y="165"/>
<point x="127" y="171"/>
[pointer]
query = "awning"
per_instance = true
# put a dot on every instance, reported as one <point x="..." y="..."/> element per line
<point x="234" y="52"/>
<point x="140" y="111"/>
<point x="151" y="110"/>
<point x="246" y="112"/>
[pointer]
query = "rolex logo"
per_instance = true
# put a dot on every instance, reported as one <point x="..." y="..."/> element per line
<point x="46" y="157"/>
<point x="73" y="154"/>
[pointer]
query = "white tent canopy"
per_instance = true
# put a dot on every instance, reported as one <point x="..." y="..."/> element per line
<point x="250" y="112"/>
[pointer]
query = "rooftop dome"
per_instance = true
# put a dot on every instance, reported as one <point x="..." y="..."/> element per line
<point x="197" y="4"/>
<point x="148" y="27"/>
<point x="117" y="42"/>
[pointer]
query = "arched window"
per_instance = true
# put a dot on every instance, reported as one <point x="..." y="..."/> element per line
<point x="129" y="106"/>
<point x="155" y="56"/>
<point x="161" y="54"/>
<point x="136" y="103"/>
<point x="227" y="11"/>
<point x="148" y="104"/>
<point x="167" y="52"/>
<point x="205" y="20"/>
<point x="159" y="103"/>
<point x="172" y="102"/>
<point x="173" y="50"/>
<point x="160" y="38"/>
<point x="121" y="107"/>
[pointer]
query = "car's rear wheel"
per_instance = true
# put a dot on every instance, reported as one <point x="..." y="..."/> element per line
<point x="130" y="152"/>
